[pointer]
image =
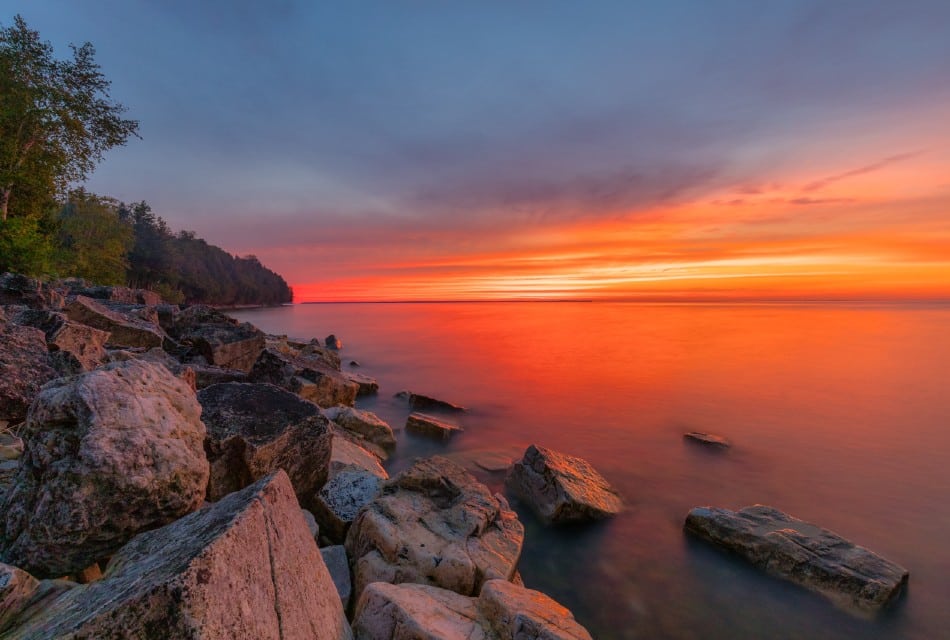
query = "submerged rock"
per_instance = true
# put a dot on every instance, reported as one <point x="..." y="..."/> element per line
<point x="709" y="439"/>
<point x="364" y="424"/>
<point x="419" y="401"/>
<point x="435" y="524"/>
<point x="245" y="567"/>
<point x="562" y="488"/>
<point x="24" y="368"/>
<point x="503" y="611"/>
<point x="426" y="425"/>
<point x="254" y="429"/>
<point x="124" y="331"/>
<point x="108" y="454"/>
<point x="804" y="553"/>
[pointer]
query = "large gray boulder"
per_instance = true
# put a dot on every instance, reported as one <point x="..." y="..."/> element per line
<point x="305" y="374"/>
<point x="254" y="429"/>
<point x="220" y="340"/>
<point x="435" y="524"/>
<point x="815" y="558"/>
<point x="503" y="611"/>
<point x="124" y="330"/>
<point x="108" y="454"/>
<point x="77" y="347"/>
<point x="355" y="479"/>
<point x="24" y="368"/>
<point x="365" y="424"/>
<point x="245" y="567"/>
<point x="561" y="488"/>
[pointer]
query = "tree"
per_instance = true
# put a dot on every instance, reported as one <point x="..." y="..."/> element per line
<point x="93" y="241"/>
<point x="56" y="119"/>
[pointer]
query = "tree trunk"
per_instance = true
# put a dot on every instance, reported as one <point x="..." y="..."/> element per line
<point x="4" y="203"/>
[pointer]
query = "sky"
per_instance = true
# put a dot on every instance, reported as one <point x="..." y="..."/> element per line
<point x="410" y="149"/>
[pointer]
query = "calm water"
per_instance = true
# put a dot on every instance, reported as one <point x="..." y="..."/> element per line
<point x="839" y="414"/>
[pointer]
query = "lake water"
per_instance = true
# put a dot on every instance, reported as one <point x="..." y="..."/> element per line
<point x="838" y="414"/>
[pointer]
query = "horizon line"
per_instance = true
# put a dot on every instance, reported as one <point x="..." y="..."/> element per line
<point x="651" y="300"/>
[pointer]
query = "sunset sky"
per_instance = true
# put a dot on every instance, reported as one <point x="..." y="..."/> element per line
<point x="405" y="149"/>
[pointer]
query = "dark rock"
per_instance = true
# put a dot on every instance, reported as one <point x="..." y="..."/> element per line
<point x="110" y="293"/>
<point x="307" y="375"/>
<point x="207" y="375"/>
<point x="418" y="401"/>
<point x="355" y="479"/>
<point x="109" y="454"/>
<point x="124" y="331"/>
<point x="435" y="524"/>
<point x="245" y="567"/>
<point x="709" y="439"/>
<point x="431" y="426"/>
<point x="17" y="289"/>
<point x="815" y="558"/>
<point x="339" y="567"/>
<point x="219" y="339"/>
<point x="24" y="368"/>
<point x="254" y="429"/>
<point x="354" y="363"/>
<point x="562" y="488"/>
<point x="332" y="342"/>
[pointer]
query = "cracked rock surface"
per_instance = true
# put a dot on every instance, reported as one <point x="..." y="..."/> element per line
<point x="245" y="567"/>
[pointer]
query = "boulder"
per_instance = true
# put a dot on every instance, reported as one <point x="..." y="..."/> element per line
<point x="24" y="368"/>
<point x="81" y="346"/>
<point x="11" y="446"/>
<point x="815" y="558"/>
<point x="207" y="375"/>
<point x="339" y="567"/>
<point x="365" y="424"/>
<point x="708" y="439"/>
<point x="419" y="401"/>
<point x="562" y="488"/>
<point x="245" y="567"/>
<point x="332" y="342"/>
<point x="109" y="453"/>
<point x="254" y="429"/>
<point x="222" y="341"/>
<point x="124" y="331"/>
<point x="306" y="375"/>
<point x="367" y="386"/>
<point x="435" y="524"/>
<point x="355" y="479"/>
<point x="503" y="611"/>
<point x="124" y="295"/>
<point x="22" y="595"/>
<point x="426" y="425"/>
<point x="21" y="290"/>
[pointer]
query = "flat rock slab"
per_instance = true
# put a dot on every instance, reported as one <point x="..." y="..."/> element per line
<point x="365" y="424"/>
<point x="367" y="386"/>
<point x="434" y="523"/>
<point x="562" y="488"/>
<point x="245" y="567"/>
<point x="124" y="331"/>
<point x="426" y="425"/>
<point x="815" y="558"/>
<point x="708" y="439"/>
<point x="503" y="611"/>
<point x="420" y="401"/>
<point x="254" y="429"/>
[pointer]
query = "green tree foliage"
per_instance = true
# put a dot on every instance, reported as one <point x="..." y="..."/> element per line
<point x="92" y="240"/>
<point x="56" y="119"/>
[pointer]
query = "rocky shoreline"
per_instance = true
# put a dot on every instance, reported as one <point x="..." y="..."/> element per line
<point x="169" y="472"/>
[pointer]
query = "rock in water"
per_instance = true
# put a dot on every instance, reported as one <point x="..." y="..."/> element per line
<point x="109" y="454"/>
<point x="245" y="567"/>
<point x="435" y="524"/>
<point x="254" y="429"/>
<point x="426" y="425"/>
<point x="562" y="488"/>
<point x="420" y="401"/>
<point x="367" y="386"/>
<point x="503" y="611"/>
<point x="804" y="553"/>
<point x="365" y="424"/>
<point x="708" y="439"/>
<point x="24" y="368"/>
